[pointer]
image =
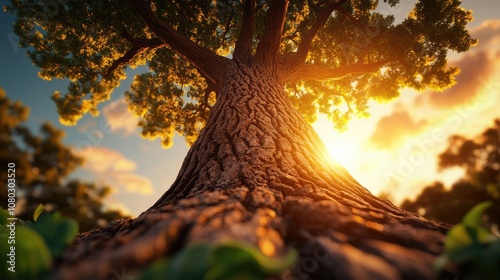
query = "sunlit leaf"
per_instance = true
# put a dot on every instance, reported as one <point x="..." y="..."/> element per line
<point x="473" y="218"/>
<point x="470" y="230"/>
<point x="39" y="209"/>
<point x="472" y="248"/>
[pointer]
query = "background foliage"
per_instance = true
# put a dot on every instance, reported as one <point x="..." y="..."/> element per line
<point x="480" y="159"/>
<point x="42" y="164"/>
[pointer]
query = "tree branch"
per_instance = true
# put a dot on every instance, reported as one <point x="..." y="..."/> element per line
<point x="269" y="45"/>
<point x="319" y="72"/>
<point x="355" y="21"/>
<point x="294" y="61"/>
<point x="140" y="45"/>
<point x="209" y="64"/>
<point x="243" y="48"/>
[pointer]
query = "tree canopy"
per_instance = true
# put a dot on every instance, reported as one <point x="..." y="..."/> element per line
<point x="332" y="56"/>
<point x="42" y="163"/>
<point x="480" y="159"/>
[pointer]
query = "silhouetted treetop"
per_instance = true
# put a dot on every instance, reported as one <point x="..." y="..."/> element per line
<point x="479" y="156"/>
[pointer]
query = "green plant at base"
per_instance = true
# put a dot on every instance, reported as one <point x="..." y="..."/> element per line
<point x="223" y="261"/>
<point x="36" y="244"/>
<point x="57" y="231"/>
<point x="471" y="249"/>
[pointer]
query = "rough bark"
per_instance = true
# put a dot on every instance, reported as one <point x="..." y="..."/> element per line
<point x="243" y="48"/>
<point x="258" y="173"/>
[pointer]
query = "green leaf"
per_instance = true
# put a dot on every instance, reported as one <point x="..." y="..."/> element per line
<point x="188" y="264"/>
<point x="473" y="217"/>
<point x="31" y="255"/>
<point x="233" y="252"/>
<point x="457" y="238"/>
<point x="470" y="231"/>
<point x="57" y="231"/>
<point x="228" y="260"/>
<point x="39" y="209"/>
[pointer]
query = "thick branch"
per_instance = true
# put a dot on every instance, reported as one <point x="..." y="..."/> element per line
<point x="294" y="61"/>
<point x="318" y="72"/>
<point x="269" y="45"/>
<point x="355" y="21"/>
<point x="243" y="48"/>
<point x="210" y="65"/>
<point x="140" y="45"/>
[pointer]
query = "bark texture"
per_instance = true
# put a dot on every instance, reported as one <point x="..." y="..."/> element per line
<point x="258" y="173"/>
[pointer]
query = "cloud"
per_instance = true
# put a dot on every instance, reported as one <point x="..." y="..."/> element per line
<point x="394" y="129"/>
<point x="488" y="34"/>
<point x="119" y="118"/>
<point x="116" y="170"/>
<point x="475" y="69"/>
<point x="101" y="159"/>
<point x="118" y="206"/>
<point x="132" y="183"/>
<point x="87" y="126"/>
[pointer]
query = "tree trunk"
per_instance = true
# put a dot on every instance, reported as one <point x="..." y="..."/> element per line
<point x="259" y="173"/>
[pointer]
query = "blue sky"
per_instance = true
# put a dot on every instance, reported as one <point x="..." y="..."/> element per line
<point x="140" y="170"/>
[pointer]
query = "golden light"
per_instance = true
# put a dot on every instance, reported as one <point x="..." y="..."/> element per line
<point x="343" y="148"/>
<point x="343" y="151"/>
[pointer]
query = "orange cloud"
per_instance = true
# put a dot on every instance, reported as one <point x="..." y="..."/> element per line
<point x="116" y="170"/>
<point x="476" y="67"/>
<point x="132" y="183"/>
<point x="475" y="70"/>
<point x="119" y="118"/>
<point x="488" y="34"/>
<point x="101" y="159"/>
<point x="394" y="129"/>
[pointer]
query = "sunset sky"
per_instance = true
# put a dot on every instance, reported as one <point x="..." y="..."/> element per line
<point x="393" y="150"/>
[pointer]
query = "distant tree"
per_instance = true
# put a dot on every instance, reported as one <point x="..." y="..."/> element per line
<point x="42" y="162"/>
<point x="242" y="80"/>
<point x="480" y="158"/>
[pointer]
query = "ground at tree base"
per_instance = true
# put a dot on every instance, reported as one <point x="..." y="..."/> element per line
<point x="333" y="241"/>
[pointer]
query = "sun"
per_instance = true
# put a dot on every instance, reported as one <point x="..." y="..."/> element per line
<point x="343" y="148"/>
<point x="338" y="153"/>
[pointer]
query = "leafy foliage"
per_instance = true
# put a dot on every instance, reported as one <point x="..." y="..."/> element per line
<point x="225" y="260"/>
<point x="36" y="244"/>
<point x="42" y="163"/>
<point x="480" y="158"/>
<point x="470" y="250"/>
<point x="57" y="232"/>
<point x="80" y="40"/>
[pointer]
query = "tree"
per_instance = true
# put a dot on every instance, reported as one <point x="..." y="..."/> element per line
<point x="244" y="79"/>
<point x="42" y="163"/>
<point x="480" y="158"/>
